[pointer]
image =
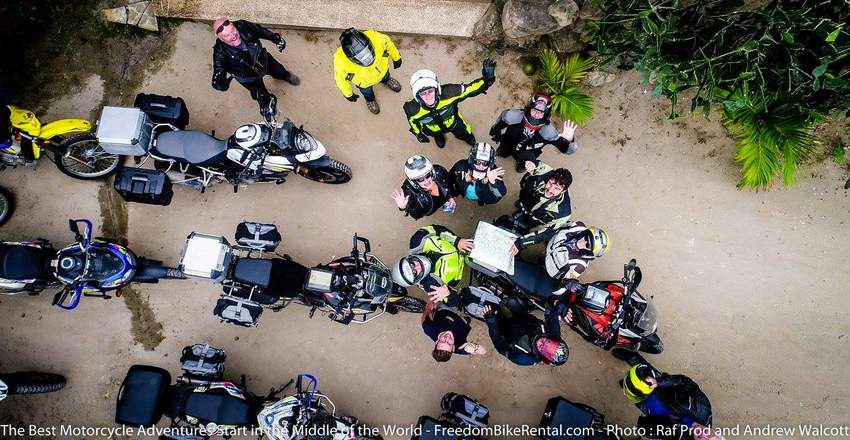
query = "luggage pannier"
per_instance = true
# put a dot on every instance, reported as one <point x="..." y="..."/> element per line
<point x="561" y="415"/>
<point x="465" y="410"/>
<point x="203" y="360"/>
<point x="473" y="299"/>
<point x="206" y="256"/>
<point x="258" y="236"/>
<point x="140" y="185"/>
<point x="124" y="130"/>
<point x="163" y="109"/>
<point x="140" y="396"/>
<point x="237" y="311"/>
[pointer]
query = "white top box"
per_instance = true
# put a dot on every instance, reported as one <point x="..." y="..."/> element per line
<point x="124" y="130"/>
<point x="205" y="256"/>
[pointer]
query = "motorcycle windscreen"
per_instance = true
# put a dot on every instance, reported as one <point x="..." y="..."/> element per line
<point x="378" y="286"/>
<point x="647" y="321"/>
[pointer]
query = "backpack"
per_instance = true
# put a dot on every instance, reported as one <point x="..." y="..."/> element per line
<point x="464" y="410"/>
<point x="259" y="236"/>
<point x="203" y="360"/>
<point x="473" y="299"/>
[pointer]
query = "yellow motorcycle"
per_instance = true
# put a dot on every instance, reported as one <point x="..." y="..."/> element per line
<point x="76" y="150"/>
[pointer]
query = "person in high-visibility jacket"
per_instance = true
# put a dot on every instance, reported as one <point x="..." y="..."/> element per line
<point x="363" y="59"/>
<point x="433" y="111"/>
<point x="436" y="262"/>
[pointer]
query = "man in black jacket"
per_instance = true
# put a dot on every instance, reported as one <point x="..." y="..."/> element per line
<point x="477" y="177"/>
<point x="425" y="190"/>
<point x="526" y="340"/>
<point x="238" y="52"/>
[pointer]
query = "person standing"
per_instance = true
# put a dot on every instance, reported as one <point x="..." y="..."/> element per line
<point x="449" y="331"/>
<point x="522" y="133"/>
<point x="433" y="111"/>
<point x="239" y="54"/>
<point x="363" y="59"/>
<point x="426" y="189"/>
<point x="477" y="177"/>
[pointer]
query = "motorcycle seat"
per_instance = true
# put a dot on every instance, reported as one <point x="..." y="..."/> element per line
<point x="20" y="262"/>
<point x="253" y="271"/>
<point x="214" y="405"/>
<point x="193" y="147"/>
<point x="533" y="279"/>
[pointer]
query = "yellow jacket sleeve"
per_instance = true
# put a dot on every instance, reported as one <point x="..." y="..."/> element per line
<point x="391" y="49"/>
<point x="341" y="75"/>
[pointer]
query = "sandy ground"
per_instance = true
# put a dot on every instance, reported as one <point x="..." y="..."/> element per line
<point x="751" y="287"/>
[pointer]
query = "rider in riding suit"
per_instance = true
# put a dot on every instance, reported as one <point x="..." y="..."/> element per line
<point x="523" y="133"/>
<point x="477" y="178"/>
<point x="433" y="110"/>
<point x="673" y="401"/>
<point x="435" y="263"/>
<point x="525" y="339"/>
<point x="363" y="59"/>
<point x="426" y="189"/>
<point x="572" y="249"/>
<point x="543" y="206"/>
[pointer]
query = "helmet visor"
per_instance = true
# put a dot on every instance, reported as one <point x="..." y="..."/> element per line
<point x="362" y="53"/>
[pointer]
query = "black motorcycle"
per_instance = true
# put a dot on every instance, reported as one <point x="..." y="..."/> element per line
<point x="29" y="382"/>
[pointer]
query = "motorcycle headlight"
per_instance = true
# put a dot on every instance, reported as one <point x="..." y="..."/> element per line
<point x="304" y="143"/>
<point x="647" y="320"/>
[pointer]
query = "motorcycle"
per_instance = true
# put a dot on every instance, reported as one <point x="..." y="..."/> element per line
<point x="199" y="160"/>
<point x="29" y="382"/>
<point x="6" y="206"/>
<point x="357" y="285"/>
<point x="608" y="314"/>
<point x="461" y="414"/>
<point x="76" y="150"/>
<point x="200" y="404"/>
<point x="87" y="267"/>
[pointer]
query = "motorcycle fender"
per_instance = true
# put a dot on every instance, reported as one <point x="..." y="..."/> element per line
<point x="320" y="162"/>
<point x="11" y="287"/>
<point x="63" y="127"/>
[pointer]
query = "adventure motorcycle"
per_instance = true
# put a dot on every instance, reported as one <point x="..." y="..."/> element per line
<point x="29" y="382"/>
<point x="88" y="267"/>
<point x="266" y="152"/>
<point x="6" y="206"/>
<point x="608" y="314"/>
<point x="76" y="150"/>
<point x="359" y="284"/>
<point x="200" y="404"/>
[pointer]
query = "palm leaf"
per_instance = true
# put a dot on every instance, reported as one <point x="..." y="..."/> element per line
<point x="561" y="79"/>
<point x="551" y="70"/>
<point x="576" y="68"/>
<point x="573" y="105"/>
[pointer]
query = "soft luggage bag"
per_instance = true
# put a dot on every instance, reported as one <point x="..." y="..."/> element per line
<point x="238" y="311"/>
<point x="432" y="429"/>
<point x="203" y="360"/>
<point x="140" y="398"/>
<point x="258" y="236"/>
<point x="141" y="185"/>
<point x="163" y="109"/>
<point x="474" y="298"/>
<point x="580" y="421"/>
<point x="465" y="410"/>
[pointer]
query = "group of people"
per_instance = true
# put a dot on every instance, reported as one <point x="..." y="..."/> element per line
<point x="437" y="256"/>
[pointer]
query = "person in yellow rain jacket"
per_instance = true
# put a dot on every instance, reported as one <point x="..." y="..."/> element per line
<point x="363" y="59"/>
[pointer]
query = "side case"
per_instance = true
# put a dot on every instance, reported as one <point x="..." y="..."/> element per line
<point x="140" y="398"/>
<point x="144" y="186"/>
<point x="163" y="109"/>
<point x="237" y="311"/>
<point x="563" y="416"/>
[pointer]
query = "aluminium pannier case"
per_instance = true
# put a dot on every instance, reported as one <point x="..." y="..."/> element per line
<point x="564" y="416"/>
<point x="206" y="256"/>
<point x="203" y="360"/>
<point x="140" y="185"/>
<point x="261" y="236"/>
<point x="124" y="130"/>
<point x="238" y="311"/>
<point x="163" y="109"/>
<point x="140" y="398"/>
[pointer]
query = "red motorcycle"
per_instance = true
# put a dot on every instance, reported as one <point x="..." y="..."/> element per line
<point x="608" y="314"/>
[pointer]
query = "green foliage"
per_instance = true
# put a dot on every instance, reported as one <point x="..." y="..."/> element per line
<point x="782" y="65"/>
<point x="561" y="79"/>
<point x="838" y="152"/>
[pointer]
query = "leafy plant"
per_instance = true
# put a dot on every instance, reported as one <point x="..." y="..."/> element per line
<point x="838" y="152"/>
<point x="755" y="64"/>
<point x="561" y="79"/>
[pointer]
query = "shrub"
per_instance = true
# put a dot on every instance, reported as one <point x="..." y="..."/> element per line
<point x="561" y="79"/>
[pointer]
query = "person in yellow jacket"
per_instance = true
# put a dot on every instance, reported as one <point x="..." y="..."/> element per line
<point x="363" y="59"/>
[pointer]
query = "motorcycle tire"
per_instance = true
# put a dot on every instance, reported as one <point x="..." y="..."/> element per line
<point x="7" y="206"/>
<point x="651" y="344"/>
<point x="32" y="382"/>
<point x="333" y="173"/>
<point x="409" y="304"/>
<point x="86" y="144"/>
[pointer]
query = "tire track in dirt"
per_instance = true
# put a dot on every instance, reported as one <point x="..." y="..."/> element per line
<point x="145" y="328"/>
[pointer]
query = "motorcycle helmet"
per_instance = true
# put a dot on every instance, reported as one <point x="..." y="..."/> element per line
<point x="541" y="102"/>
<point x="598" y="239"/>
<point x="357" y="47"/>
<point x="250" y="135"/>
<point x="403" y="271"/>
<point x="417" y="167"/>
<point x="552" y="351"/>
<point x="424" y="79"/>
<point x="635" y="386"/>
<point x="481" y="155"/>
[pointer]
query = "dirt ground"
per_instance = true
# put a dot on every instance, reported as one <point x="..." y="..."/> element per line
<point x="751" y="287"/>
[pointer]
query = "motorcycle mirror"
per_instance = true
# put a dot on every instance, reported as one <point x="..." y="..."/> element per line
<point x="366" y="246"/>
<point x="632" y="264"/>
<point x="637" y="278"/>
<point x="72" y="225"/>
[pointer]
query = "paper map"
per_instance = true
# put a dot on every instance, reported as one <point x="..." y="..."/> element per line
<point x="492" y="247"/>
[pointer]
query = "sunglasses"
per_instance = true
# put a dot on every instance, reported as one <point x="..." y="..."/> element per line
<point x="482" y="163"/>
<point x="424" y="179"/>
<point x="223" y="25"/>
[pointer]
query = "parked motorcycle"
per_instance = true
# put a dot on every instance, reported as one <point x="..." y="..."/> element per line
<point x="6" y="206"/>
<point x="357" y="285"/>
<point x="76" y="150"/>
<point x="203" y="404"/>
<point x="264" y="152"/>
<point x="461" y="414"/>
<point x="29" y="382"/>
<point x="608" y="314"/>
<point x="87" y="267"/>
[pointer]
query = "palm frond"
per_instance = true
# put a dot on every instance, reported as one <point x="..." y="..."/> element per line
<point x="576" y="68"/>
<point x="573" y="105"/>
<point x="561" y="78"/>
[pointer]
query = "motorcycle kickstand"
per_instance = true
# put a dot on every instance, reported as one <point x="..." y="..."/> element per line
<point x="312" y="311"/>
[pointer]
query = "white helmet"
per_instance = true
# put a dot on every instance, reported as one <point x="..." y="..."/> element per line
<point x="403" y="273"/>
<point x="423" y="79"/>
<point x="417" y="167"/>
<point x="248" y="135"/>
<point x="481" y="152"/>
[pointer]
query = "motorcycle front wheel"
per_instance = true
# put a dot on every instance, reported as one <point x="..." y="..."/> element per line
<point x="32" y="382"/>
<point x="409" y="304"/>
<point x="333" y="173"/>
<point x="82" y="157"/>
<point x="6" y="206"/>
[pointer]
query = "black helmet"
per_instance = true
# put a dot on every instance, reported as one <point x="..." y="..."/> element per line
<point x="356" y="46"/>
<point x="541" y="102"/>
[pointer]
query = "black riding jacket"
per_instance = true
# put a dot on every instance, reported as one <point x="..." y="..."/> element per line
<point x="421" y="203"/>
<point x="238" y="62"/>
<point x="514" y="135"/>
<point x="548" y="214"/>
<point x="514" y="337"/>
<point x="487" y="193"/>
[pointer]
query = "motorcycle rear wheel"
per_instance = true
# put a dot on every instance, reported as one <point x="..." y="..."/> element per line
<point x="409" y="304"/>
<point x="82" y="157"/>
<point x="33" y="382"/>
<point x="333" y="173"/>
<point x="6" y="206"/>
